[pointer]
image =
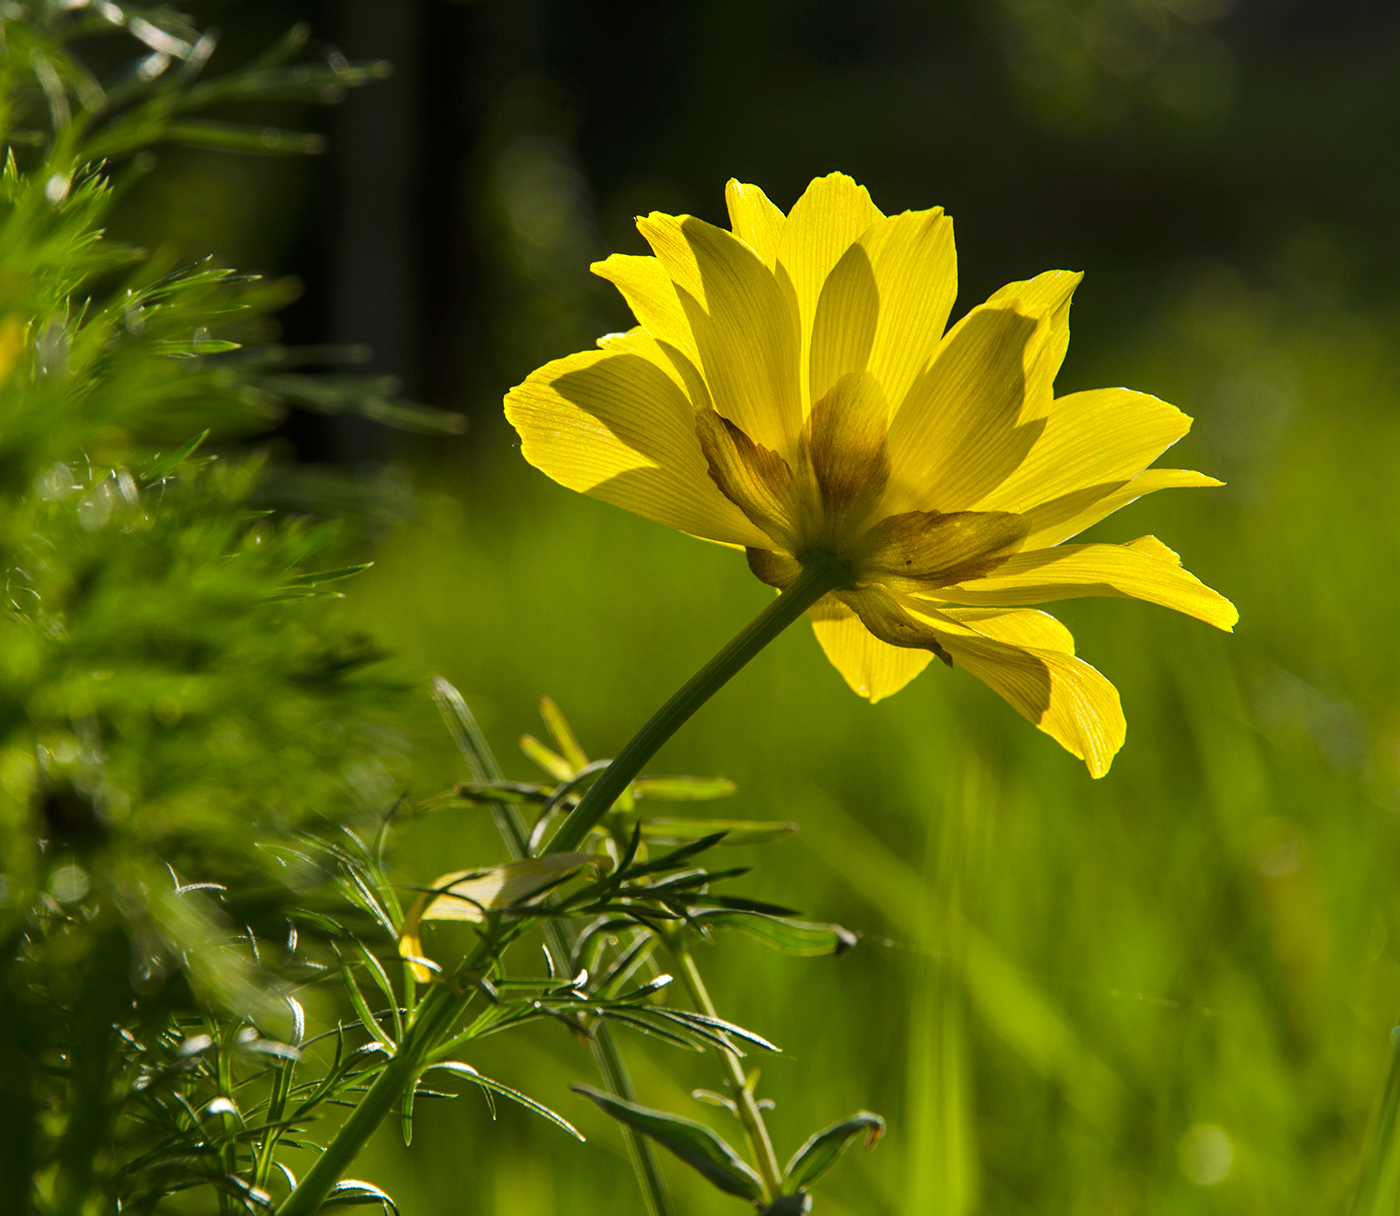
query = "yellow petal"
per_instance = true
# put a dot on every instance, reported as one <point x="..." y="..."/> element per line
<point x="916" y="272"/>
<point x="958" y="433"/>
<point x="1062" y="695"/>
<point x="650" y="294"/>
<point x="1047" y="293"/>
<point x="1015" y="626"/>
<point x="616" y="427"/>
<point x="755" y="478"/>
<point x="826" y="221"/>
<point x="411" y="950"/>
<point x="1144" y="570"/>
<point x="843" y="330"/>
<point x="872" y="668"/>
<point x="1090" y="439"/>
<point x="754" y="220"/>
<point x="1070" y="514"/>
<point x="1070" y="701"/>
<point x="744" y="326"/>
<point x="470" y="895"/>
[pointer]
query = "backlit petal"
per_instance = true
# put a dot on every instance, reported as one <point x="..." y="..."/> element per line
<point x="651" y="295"/>
<point x="1049" y="293"/>
<point x="1070" y="514"/>
<point x="616" y="427"/>
<point x="1015" y="626"/>
<point x="958" y="433"/>
<point x="916" y="273"/>
<point x="1062" y="695"/>
<point x="826" y="221"/>
<point x="1145" y="570"/>
<point x="744" y="326"/>
<point x="1070" y="701"/>
<point x="1092" y="438"/>
<point x="872" y="668"/>
<point x="843" y="331"/>
<point x="845" y="441"/>
<point x="754" y="220"/>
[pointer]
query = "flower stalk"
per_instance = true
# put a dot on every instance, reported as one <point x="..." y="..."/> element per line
<point x="439" y="1009"/>
<point x="750" y="1116"/>
<point x="820" y="574"/>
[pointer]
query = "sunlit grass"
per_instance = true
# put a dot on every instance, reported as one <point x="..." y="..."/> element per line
<point x="1170" y="991"/>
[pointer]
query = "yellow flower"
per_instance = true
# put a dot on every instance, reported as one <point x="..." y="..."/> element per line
<point x="790" y="389"/>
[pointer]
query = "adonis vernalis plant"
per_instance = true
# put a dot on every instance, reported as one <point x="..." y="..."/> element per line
<point x="791" y="389"/>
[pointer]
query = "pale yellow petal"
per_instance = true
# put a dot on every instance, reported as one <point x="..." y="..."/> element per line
<point x="959" y="432"/>
<point x="471" y="894"/>
<point x="651" y="295"/>
<point x="616" y="426"/>
<point x="916" y="273"/>
<point x="754" y="219"/>
<point x="743" y="323"/>
<point x="872" y="668"/>
<point x="1015" y="626"/>
<point x="843" y="330"/>
<point x="1070" y="701"/>
<point x="1090" y="439"/>
<point x="1070" y="514"/>
<point x="827" y="220"/>
<point x="1144" y="570"/>
<point x="1047" y="293"/>
<point x="1062" y="695"/>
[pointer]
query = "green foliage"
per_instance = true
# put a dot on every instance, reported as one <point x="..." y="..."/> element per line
<point x="179" y="697"/>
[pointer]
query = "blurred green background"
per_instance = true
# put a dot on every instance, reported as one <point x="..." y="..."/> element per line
<point x="1169" y="991"/>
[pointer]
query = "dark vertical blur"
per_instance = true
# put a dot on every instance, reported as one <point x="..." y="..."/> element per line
<point x="451" y="225"/>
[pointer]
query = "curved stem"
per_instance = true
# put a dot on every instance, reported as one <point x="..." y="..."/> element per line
<point x="436" y="1014"/>
<point x="559" y="940"/>
<point x="755" y="1130"/>
<point x="441" y="1007"/>
<point x="820" y="574"/>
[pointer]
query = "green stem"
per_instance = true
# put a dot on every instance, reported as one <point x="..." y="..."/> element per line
<point x="755" y="1130"/>
<point x="436" y="1014"/>
<point x="441" y="1007"/>
<point x="559" y="939"/>
<point x="820" y="574"/>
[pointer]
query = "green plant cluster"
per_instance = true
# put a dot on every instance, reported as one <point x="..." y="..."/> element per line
<point x="201" y="957"/>
<point x="177" y="693"/>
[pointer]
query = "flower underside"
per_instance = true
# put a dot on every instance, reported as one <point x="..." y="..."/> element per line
<point x="791" y="389"/>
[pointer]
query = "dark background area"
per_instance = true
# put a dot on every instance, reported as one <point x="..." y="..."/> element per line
<point x="450" y="226"/>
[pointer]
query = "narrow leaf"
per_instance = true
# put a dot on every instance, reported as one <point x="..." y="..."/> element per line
<point x="684" y="789"/>
<point x="351" y="1192"/>
<point x="692" y="1142"/>
<point x="562" y="734"/>
<point x="493" y="1086"/>
<point x="552" y="762"/>
<point x="736" y="831"/>
<point x="797" y="937"/>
